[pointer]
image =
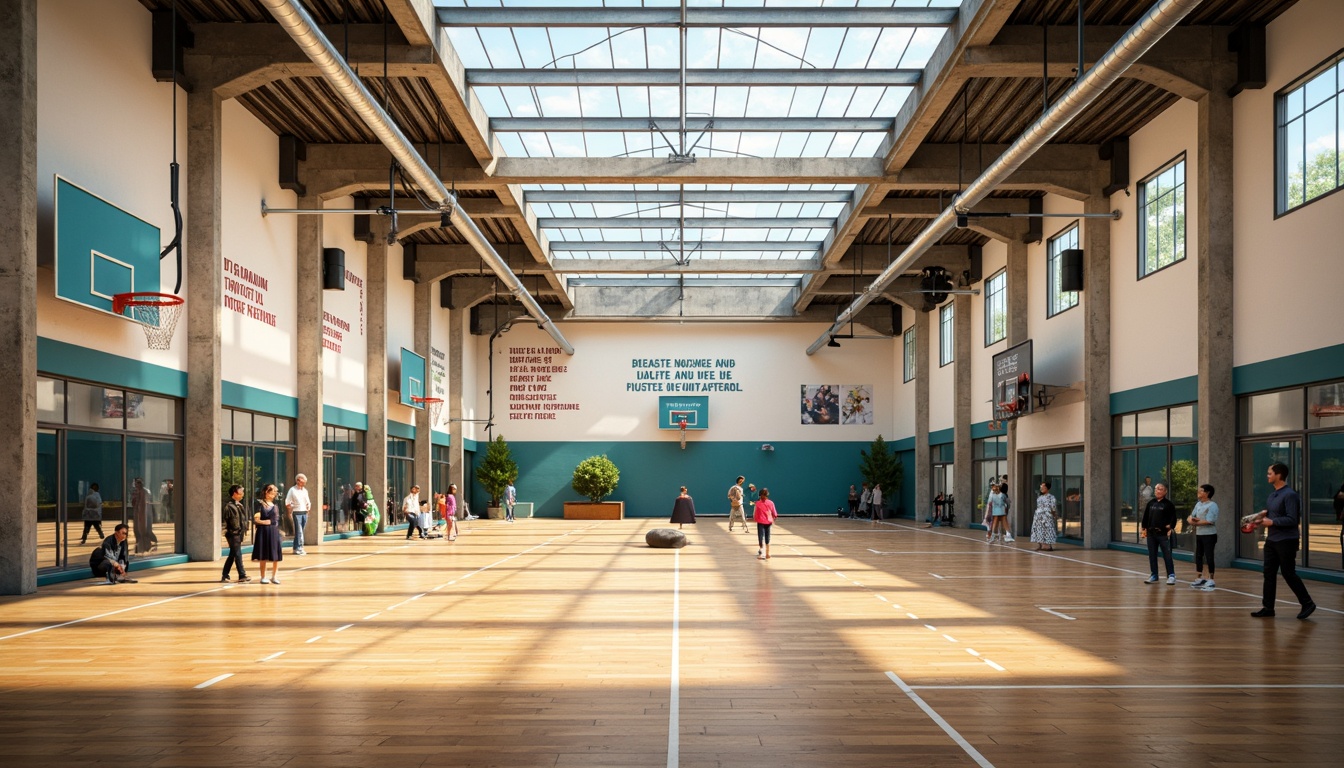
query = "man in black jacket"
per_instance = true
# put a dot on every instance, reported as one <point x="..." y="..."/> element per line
<point x="1159" y="518"/>
<point x="236" y="522"/>
<point x="111" y="560"/>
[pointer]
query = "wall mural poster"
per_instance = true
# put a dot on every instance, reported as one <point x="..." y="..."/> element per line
<point x="857" y="406"/>
<point x="821" y="404"/>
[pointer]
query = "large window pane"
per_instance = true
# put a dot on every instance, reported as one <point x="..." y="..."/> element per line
<point x="1308" y="139"/>
<point x="1325" y="409"/>
<point x="1181" y="484"/>
<point x="1273" y="412"/>
<point x="89" y="406"/>
<point x="1322" y="537"/>
<point x="151" y="468"/>
<point x="90" y="458"/>
<point x="50" y="400"/>
<point x="1162" y="237"/>
<point x="1125" y="526"/>
<point x="1152" y="427"/>
<point x="147" y="413"/>
<point x="1183" y="423"/>
<point x="1255" y="459"/>
<point x="50" y="535"/>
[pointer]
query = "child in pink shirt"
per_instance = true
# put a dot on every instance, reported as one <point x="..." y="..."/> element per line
<point x="765" y="518"/>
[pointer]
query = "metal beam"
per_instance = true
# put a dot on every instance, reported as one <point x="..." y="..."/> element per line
<point x="571" y="246"/>
<point x="696" y="266"/>
<point x="667" y="196"/>
<point x="702" y="77"/>
<point x="697" y="17"/>
<point x="610" y="222"/>
<point x="710" y="170"/>
<point x="695" y="125"/>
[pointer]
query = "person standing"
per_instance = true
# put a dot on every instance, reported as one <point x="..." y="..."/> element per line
<point x="997" y="504"/>
<point x="111" y="560"/>
<point x="235" y="528"/>
<point x="765" y="516"/>
<point x="1145" y="493"/>
<point x="92" y="513"/>
<point x="865" y="501"/>
<point x="410" y="508"/>
<point x="266" y="545"/>
<point x="1204" y="518"/>
<point x="450" y="511"/>
<point x="355" y="504"/>
<point x="510" y="499"/>
<point x="736" y="512"/>
<point x="145" y="540"/>
<point x="1159" y="519"/>
<point x="683" y="509"/>
<point x="1043" y="532"/>
<point x="877" y="502"/>
<point x="1282" y="515"/>
<point x="165" y="510"/>
<point x="298" y="505"/>
<point x="853" y="502"/>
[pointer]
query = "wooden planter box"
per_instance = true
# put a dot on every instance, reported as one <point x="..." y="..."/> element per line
<point x="587" y="510"/>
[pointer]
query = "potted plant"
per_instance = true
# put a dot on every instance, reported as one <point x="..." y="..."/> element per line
<point x="496" y="472"/>
<point x="595" y="478"/>
<point x="879" y="466"/>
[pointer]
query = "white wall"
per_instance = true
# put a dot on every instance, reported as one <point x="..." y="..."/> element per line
<point x="1057" y="342"/>
<point x="1286" y="291"/>
<point x="1154" y="320"/>
<point x="769" y="363"/>
<point x="106" y="126"/>
<point x="344" y="372"/>
<point x="994" y="258"/>
<point x="1058" y="425"/>
<point x="903" y="392"/>
<point x="258" y="336"/>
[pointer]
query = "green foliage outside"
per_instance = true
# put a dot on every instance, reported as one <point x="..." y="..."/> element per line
<point x="878" y="466"/>
<point x="595" y="478"/>
<point x="497" y="470"/>
<point x="1320" y="174"/>
<point x="1183" y="484"/>
<point x="235" y="469"/>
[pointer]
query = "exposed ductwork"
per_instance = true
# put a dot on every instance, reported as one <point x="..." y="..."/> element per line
<point x="296" y="21"/>
<point x="1159" y="20"/>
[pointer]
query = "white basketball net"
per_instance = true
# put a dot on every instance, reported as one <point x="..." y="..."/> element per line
<point x="159" y="320"/>
<point x="682" y="425"/>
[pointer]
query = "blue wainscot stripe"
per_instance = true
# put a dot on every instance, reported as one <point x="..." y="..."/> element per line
<point x="397" y="429"/>
<point x="340" y="417"/>
<point x="804" y="478"/>
<point x="61" y="359"/>
<point x="468" y="444"/>
<point x="1289" y="371"/>
<point x="1164" y="395"/>
<point x="440" y="438"/>
<point x="904" y="444"/>
<point x="981" y="430"/>
<point x="942" y="436"/>
<point x="252" y="399"/>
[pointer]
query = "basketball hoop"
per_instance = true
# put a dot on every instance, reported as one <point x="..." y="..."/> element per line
<point x="156" y="313"/>
<point x="682" y="426"/>
<point x="432" y="404"/>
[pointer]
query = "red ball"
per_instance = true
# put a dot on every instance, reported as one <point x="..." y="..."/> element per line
<point x="1248" y="527"/>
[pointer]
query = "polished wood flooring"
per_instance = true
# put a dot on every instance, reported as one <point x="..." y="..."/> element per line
<point x="569" y="643"/>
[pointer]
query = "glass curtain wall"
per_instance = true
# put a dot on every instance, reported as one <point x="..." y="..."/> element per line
<point x="342" y="467"/>
<point x="439" y="468"/>
<point x="941" y="477"/>
<point x="400" y="476"/>
<point x="105" y="456"/>
<point x="991" y="463"/>
<point x="1151" y="448"/>
<point x="1303" y="428"/>
<point x="257" y="449"/>
<point x="1063" y="469"/>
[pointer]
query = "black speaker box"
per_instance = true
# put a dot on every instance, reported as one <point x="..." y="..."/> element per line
<point x="333" y="269"/>
<point x="1071" y="270"/>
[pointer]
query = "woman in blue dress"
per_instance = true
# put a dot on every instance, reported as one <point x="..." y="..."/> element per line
<point x="266" y="547"/>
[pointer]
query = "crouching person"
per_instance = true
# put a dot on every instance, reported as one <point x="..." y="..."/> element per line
<point x="111" y="560"/>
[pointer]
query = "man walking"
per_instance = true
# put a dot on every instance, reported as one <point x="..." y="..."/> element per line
<point x="1282" y="515"/>
<point x="736" y="512"/>
<point x="93" y="513"/>
<point x="236" y="521"/>
<point x="410" y="507"/>
<point x="510" y="499"/>
<point x="298" y="504"/>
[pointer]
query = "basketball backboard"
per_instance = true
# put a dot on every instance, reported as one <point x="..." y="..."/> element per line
<point x="101" y="250"/>
<point x="694" y="410"/>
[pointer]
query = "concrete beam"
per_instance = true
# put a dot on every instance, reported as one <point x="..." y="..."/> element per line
<point x="308" y="364"/>
<point x="693" y="302"/>
<point x="338" y="170"/>
<point x="375" y="382"/>
<point x="923" y="453"/>
<point x="415" y="18"/>
<point x="468" y="291"/>
<point x="710" y="170"/>
<point x="1096" y="301"/>
<point x="1182" y="62"/>
<point x="435" y="262"/>
<point x="1018" y="306"/>
<point x="422" y="468"/>
<point x="963" y="484"/>
<point x="18" y="296"/>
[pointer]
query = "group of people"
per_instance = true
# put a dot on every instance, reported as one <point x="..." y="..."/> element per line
<point x="866" y="503"/>
<point x="764" y="512"/>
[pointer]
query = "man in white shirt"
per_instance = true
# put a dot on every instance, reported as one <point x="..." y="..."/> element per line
<point x="298" y="504"/>
<point x="410" y="507"/>
<point x="877" y="502"/>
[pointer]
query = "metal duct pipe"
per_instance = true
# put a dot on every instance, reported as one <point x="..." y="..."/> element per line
<point x="1160" y="19"/>
<point x="296" y="21"/>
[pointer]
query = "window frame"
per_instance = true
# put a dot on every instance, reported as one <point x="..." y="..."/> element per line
<point x="947" y="332"/>
<point x="911" y="340"/>
<point x="1142" y="215"/>
<point x="1052" y="269"/>
<point x="1000" y="297"/>
<point x="1281" y="206"/>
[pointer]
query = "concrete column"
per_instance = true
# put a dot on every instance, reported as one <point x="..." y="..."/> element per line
<point x="457" y="455"/>
<point x="423" y="442"/>
<point x="1096" y="306"/>
<point x="204" y="283"/>
<point x="1217" y="405"/>
<point x="923" y="455"/>
<point x="308" y="430"/>
<point x="963" y="483"/>
<point x="1017" y="333"/>
<point x="375" y="443"/>
<point x="18" y="293"/>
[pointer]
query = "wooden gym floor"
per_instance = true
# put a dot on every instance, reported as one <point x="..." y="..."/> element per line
<point x="569" y="643"/>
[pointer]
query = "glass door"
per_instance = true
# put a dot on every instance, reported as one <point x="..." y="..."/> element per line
<point x="1071" y="521"/>
<point x="1323" y="534"/>
<point x="1255" y="460"/>
<point x="51" y="522"/>
<point x="151" y="469"/>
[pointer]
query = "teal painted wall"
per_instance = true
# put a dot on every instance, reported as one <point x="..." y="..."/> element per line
<point x="61" y="359"/>
<point x="803" y="478"/>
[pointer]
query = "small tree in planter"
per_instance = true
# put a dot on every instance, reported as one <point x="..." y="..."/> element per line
<point x="879" y="466"/>
<point x="595" y="478"/>
<point x="497" y="470"/>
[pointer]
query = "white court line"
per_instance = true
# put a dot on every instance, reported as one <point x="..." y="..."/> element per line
<point x="313" y="639"/>
<point x="214" y="680"/>
<point x="341" y="629"/>
<point x="930" y="627"/>
<point x="674" y="700"/>
<point x="948" y="729"/>
<point x="911" y="615"/>
<point x="995" y="666"/>
<point x="1043" y="578"/>
<point x="1100" y="687"/>
<point x="972" y="651"/>
<point x="371" y="615"/>
<point x="1151" y="607"/>
<point x="929" y="552"/>
<point x="275" y="655"/>
<point x="936" y="576"/>
<point x="879" y="597"/>
<point x="1057" y="613"/>
<point x="950" y="638"/>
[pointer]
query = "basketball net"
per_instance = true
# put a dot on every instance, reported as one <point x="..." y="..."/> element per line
<point x="432" y="405"/>
<point x="682" y="425"/>
<point x="156" y="313"/>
